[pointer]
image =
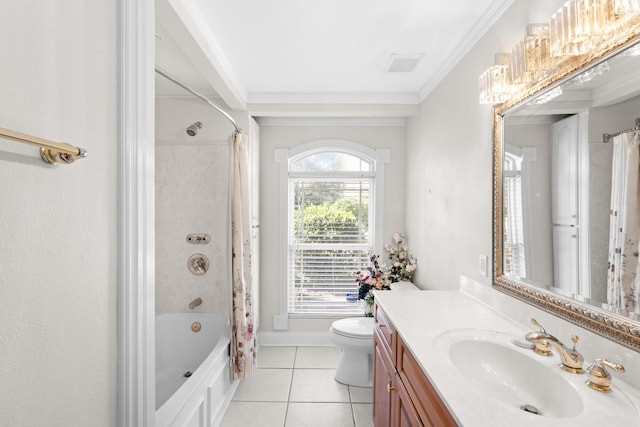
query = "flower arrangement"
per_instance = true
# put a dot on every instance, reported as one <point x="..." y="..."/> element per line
<point x="371" y="278"/>
<point x="379" y="277"/>
<point x="403" y="265"/>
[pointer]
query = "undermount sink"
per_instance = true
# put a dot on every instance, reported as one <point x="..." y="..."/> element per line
<point x="518" y="380"/>
<point x="504" y="373"/>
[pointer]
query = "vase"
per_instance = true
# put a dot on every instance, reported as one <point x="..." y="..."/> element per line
<point x="368" y="308"/>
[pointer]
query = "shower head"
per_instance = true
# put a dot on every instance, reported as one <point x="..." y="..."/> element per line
<point x="193" y="129"/>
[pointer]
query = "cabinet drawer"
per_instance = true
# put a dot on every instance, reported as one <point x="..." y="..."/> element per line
<point x="386" y="329"/>
<point x="430" y="408"/>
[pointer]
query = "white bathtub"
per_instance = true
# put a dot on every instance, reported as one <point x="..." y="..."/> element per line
<point x="200" y="399"/>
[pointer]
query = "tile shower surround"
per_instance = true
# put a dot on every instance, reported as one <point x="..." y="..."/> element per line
<point x="191" y="197"/>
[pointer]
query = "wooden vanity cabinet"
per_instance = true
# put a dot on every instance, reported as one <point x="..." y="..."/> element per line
<point x="383" y="379"/>
<point x="402" y="394"/>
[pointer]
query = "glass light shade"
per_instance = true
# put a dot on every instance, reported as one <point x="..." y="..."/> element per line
<point x="626" y="6"/>
<point x="579" y="25"/>
<point x="530" y="59"/>
<point x="494" y="83"/>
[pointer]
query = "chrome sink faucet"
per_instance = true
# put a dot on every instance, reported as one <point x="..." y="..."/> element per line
<point x="572" y="360"/>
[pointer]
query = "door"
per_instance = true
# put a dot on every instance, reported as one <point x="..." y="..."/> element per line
<point x="565" y="205"/>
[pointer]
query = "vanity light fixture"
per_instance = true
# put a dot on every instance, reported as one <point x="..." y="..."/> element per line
<point x="494" y="83"/>
<point x="548" y="50"/>
<point x="529" y="62"/>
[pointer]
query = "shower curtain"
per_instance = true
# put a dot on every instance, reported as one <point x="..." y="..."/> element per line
<point x="243" y="338"/>
<point x="624" y="229"/>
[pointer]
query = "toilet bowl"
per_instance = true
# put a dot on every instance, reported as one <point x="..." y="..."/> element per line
<point x="355" y="336"/>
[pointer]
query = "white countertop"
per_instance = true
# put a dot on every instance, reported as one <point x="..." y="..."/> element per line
<point x="422" y="317"/>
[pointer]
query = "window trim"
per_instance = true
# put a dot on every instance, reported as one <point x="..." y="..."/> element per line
<point x="284" y="156"/>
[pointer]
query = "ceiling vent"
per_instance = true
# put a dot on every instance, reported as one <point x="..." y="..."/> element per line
<point x="403" y="63"/>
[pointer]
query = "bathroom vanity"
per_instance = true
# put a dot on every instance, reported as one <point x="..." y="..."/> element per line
<point x="442" y="358"/>
<point x="402" y="393"/>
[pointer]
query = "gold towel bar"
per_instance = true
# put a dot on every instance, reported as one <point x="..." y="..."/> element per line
<point x="51" y="152"/>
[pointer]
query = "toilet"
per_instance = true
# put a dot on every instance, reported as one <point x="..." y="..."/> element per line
<point x="355" y="336"/>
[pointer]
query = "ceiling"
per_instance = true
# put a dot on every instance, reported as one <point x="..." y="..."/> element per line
<point x="254" y="53"/>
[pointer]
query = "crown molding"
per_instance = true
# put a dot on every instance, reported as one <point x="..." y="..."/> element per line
<point x="332" y="121"/>
<point x="333" y="110"/>
<point x="332" y="98"/>
<point x="486" y="21"/>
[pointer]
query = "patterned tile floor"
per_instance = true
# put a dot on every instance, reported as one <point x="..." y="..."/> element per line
<point x="295" y="387"/>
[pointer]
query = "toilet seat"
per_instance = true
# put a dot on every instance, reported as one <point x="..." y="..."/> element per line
<point x="354" y="327"/>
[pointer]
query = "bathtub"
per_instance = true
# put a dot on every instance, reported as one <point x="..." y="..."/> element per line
<point x="193" y="381"/>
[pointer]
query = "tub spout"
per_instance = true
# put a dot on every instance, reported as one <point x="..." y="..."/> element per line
<point x="196" y="302"/>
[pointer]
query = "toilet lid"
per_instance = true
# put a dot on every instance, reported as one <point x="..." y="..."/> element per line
<point x="354" y="327"/>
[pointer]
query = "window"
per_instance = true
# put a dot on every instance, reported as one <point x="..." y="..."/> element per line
<point x="518" y="253"/>
<point x="514" y="250"/>
<point x="331" y="225"/>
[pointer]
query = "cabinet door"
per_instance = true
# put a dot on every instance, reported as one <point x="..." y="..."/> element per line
<point x="430" y="408"/>
<point x="403" y="413"/>
<point x="565" y="260"/>
<point x="564" y="171"/>
<point x="383" y="377"/>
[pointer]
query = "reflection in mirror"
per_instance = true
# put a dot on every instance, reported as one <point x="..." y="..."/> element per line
<point x="568" y="189"/>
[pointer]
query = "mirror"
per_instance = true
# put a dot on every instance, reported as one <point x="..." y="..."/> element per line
<point x="553" y="181"/>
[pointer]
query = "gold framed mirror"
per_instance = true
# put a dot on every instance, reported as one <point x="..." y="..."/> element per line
<point x="566" y="276"/>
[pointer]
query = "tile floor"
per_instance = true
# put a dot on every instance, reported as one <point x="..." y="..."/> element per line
<point x="295" y="387"/>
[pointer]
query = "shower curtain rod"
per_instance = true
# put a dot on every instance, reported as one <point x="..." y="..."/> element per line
<point x="607" y="136"/>
<point x="205" y="99"/>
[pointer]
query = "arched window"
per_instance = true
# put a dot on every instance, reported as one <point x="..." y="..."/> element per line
<point x="332" y="188"/>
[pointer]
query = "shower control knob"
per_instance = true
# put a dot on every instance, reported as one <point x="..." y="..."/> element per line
<point x="198" y="264"/>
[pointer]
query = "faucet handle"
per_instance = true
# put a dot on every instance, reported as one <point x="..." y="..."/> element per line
<point x="573" y="360"/>
<point x="535" y="323"/>
<point x="540" y="346"/>
<point x="599" y="377"/>
<point x="575" y="339"/>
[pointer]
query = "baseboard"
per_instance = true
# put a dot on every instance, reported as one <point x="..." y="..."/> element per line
<point x="294" y="338"/>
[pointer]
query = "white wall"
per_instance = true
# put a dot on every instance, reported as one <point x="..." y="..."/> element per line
<point x="449" y="160"/>
<point x="289" y="136"/>
<point x="58" y="223"/>
<point x="449" y="213"/>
